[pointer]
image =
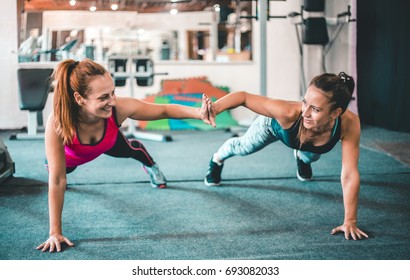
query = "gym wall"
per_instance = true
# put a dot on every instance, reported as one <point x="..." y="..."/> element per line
<point x="383" y="57"/>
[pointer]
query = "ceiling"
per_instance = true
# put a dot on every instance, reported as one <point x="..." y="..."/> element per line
<point x="154" y="6"/>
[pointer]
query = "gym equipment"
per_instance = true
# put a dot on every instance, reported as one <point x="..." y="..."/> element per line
<point x="143" y="73"/>
<point x="61" y="53"/>
<point x="263" y="16"/>
<point x="342" y="19"/>
<point x="34" y="86"/>
<point x="118" y="65"/>
<point x="314" y="32"/>
<point x="314" y="5"/>
<point x="7" y="166"/>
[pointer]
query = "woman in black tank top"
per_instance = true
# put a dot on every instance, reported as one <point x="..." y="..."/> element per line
<point x="311" y="127"/>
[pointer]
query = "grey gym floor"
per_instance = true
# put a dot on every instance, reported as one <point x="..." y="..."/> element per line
<point x="261" y="212"/>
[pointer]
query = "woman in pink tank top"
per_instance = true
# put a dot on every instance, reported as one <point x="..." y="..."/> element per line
<point x="85" y="123"/>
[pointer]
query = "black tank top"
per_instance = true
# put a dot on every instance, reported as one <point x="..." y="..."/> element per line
<point x="289" y="137"/>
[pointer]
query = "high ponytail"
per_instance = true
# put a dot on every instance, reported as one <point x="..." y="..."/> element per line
<point x="63" y="103"/>
<point x="348" y="80"/>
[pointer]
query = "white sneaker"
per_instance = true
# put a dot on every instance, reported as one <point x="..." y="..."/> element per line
<point x="156" y="176"/>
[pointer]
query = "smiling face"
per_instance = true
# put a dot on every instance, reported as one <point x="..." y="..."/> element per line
<point x="316" y="109"/>
<point x="100" y="98"/>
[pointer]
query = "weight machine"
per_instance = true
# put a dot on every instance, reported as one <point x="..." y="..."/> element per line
<point x="141" y="70"/>
<point x="34" y="87"/>
<point x="314" y="31"/>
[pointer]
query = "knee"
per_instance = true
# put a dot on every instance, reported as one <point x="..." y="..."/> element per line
<point x="135" y="144"/>
<point x="240" y="148"/>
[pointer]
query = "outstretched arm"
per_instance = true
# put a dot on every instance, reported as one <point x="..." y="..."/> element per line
<point x="350" y="177"/>
<point x="140" y="110"/>
<point x="281" y="110"/>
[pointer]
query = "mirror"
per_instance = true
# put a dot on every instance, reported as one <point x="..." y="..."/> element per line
<point x="210" y="36"/>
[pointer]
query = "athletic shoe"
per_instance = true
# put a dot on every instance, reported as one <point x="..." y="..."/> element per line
<point x="157" y="177"/>
<point x="304" y="172"/>
<point x="213" y="177"/>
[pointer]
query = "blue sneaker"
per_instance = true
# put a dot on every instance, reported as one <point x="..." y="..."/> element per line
<point x="156" y="176"/>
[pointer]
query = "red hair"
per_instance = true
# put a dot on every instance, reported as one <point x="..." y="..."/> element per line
<point x="71" y="76"/>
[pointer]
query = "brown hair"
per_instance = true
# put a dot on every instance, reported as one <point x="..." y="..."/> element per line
<point x="71" y="76"/>
<point x="338" y="88"/>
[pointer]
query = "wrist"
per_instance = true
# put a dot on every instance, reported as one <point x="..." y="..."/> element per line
<point x="349" y="221"/>
<point x="55" y="231"/>
<point x="216" y="108"/>
<point x="197" y="113"/>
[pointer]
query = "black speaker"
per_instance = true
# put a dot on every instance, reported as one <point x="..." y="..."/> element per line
<point x="314" y="5"/>
<point x="315" y="31"/>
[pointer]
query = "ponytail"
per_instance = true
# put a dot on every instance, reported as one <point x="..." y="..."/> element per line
<point x="65" y="108"/>
<point x="71" y="76"/>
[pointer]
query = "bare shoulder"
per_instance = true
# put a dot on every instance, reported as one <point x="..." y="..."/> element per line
<point x="124" y="107"/>
<point x="290" y="112"/>
<point x="295" y="109"/>
<point x="120" y="102"/>
<point x="50" y="116"/>
<point x="50" y="121"/>
<point x="51" y="135"/>
<point x="350" y="124"/>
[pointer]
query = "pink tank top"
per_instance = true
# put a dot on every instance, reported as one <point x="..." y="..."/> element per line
<point x="78" y="153"/>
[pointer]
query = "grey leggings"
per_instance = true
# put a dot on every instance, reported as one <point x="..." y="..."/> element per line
<point x="257" y="137"/>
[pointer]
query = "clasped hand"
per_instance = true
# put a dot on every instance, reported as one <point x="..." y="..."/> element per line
<point x="207" y="111"/>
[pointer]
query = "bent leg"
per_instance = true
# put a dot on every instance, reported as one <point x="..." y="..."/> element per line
<point x="258" y="136"/>
<point x="124" y="148"/>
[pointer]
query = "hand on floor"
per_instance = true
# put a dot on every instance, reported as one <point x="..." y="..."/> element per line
<point x="54" y="243"/>
<point x="350" y="230"/>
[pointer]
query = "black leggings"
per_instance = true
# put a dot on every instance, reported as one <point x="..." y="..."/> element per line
<point x="124" y="148"/>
